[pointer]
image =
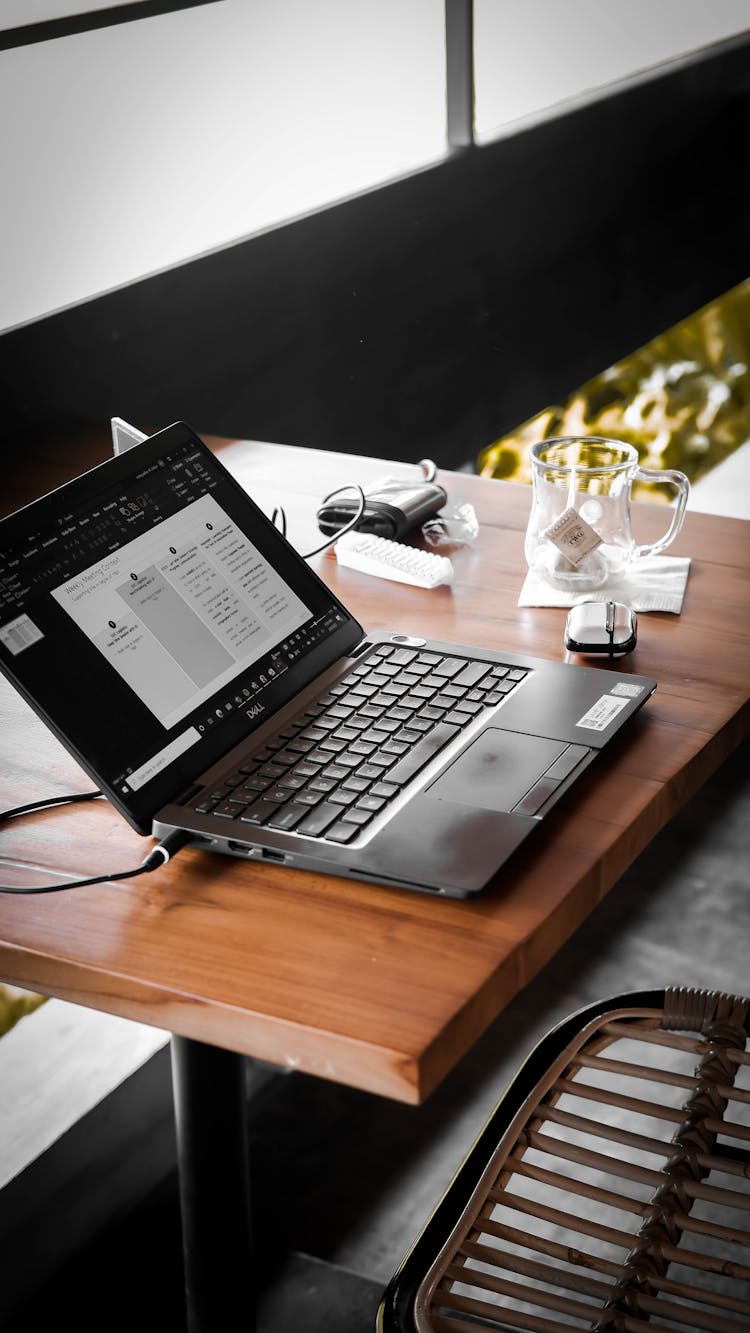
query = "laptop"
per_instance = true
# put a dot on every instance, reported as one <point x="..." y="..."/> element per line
<point x="209" y="681"/>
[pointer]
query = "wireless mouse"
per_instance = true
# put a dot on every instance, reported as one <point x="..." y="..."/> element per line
<point x="596" y="629"/>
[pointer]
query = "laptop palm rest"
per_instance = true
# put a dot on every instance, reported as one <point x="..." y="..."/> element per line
<point x="497" y="770"/>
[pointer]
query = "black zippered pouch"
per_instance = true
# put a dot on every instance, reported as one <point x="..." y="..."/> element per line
<point x="392" y="508"/>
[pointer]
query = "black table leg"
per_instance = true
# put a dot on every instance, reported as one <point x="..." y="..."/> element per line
<point x="212" y="1157"/>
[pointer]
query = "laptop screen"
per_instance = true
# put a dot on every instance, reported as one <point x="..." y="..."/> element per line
<point x="153" y="617"/>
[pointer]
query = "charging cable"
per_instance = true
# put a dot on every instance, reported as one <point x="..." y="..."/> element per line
<point x="278" y="518"/>
<point x="158" y="856"/>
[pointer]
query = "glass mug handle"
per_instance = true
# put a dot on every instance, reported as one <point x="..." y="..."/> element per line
<point x="679" y="480"/>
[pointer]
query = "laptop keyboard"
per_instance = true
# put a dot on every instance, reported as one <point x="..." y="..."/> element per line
<point x="336" y="766"/>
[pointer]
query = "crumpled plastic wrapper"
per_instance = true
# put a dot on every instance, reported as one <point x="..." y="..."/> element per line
<point x="451" y="529"/>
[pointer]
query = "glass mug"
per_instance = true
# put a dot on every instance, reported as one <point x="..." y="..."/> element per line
<point x="579" y="535"/>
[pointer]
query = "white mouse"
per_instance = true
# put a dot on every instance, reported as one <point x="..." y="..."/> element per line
<point x="606" y="628"/>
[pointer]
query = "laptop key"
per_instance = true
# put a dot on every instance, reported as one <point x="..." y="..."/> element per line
<point x="395" y="748"/>
<point x="348" y="760"/>
<point x="287" y="817"/>
<point x="347" y="733"/>
<point x="466" y="706"/>
<point x="408" y="736"/>
<point x="284" y="758"/>
<point x="339" y="711"/>
<point x="381" y="759"/>
<point x="374" y="736"/>
<point x="450" y="666"/>
<point x="460" y="719"/>
<point x="362" y="747"/>
<point x="502" y="687"/>
<point x="313" y="734"/>
<point x="229" y="809"/>
<point x="371" y="710"/>
<point x="421" y="724"/>
<point x="357" y="816"/>
<point x="342" y="831"/>
<point x="278" y="795"/>
<point x="343" y="797"/>
<point x="301" y="745"/>
<point x="472" y="672"/>
<point x="371" y="803"/>
<point x="308" y="797"/>
<point x="272" y="771"/>
<point x="318" y="820"/>
<point x="425" y="750"/>
<point x="258" y="812"/>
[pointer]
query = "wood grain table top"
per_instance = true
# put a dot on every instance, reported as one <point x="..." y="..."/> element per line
<point x="379" y="988"/>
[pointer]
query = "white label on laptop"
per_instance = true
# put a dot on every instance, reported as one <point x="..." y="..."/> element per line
<point x="572" y="535"/>
<point x="604" y="711"/>
<point x="624" y="687"/>
<point x="19" y="634"/>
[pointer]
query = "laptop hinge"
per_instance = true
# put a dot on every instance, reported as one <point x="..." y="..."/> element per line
<point x="360" y="648"/>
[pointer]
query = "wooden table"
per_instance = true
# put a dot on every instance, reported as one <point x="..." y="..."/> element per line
<point x="378" y="988"/>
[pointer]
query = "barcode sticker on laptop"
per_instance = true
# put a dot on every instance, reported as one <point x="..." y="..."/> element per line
<point x="604" y="711"/>
<point x="19" y="634"/>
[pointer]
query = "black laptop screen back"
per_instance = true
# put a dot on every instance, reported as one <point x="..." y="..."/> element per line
<point x="152" y="616"/>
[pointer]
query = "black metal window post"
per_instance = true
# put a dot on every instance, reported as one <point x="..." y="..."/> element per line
<point x="46" y="30"/>
<point x="459" y="72"/>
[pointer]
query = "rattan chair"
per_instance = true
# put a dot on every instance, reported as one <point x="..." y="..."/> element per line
<point x="610" y="1188"/>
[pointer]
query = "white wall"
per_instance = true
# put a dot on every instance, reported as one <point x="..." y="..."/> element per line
<point x="533" y="57"/>
<point x="130" y="149"/>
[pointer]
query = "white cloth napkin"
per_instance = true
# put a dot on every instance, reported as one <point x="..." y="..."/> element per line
<point x="656" y="583"/>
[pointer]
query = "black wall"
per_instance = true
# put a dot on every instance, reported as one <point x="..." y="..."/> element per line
<point x="427" y="317"/>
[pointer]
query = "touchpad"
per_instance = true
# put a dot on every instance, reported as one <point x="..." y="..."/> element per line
<point x="497" y="769"/>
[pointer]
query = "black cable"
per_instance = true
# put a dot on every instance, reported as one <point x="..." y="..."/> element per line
<point x="278" y="514"/>
<point x="51" y="800"/>
<point x="158" y="856"/>
<point x="347" y="526"/>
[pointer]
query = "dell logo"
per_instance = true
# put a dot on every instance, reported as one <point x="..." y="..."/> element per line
<point x="255" y="711"/>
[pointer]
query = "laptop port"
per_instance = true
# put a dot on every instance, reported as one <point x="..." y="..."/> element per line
<point x="268" y="855"/>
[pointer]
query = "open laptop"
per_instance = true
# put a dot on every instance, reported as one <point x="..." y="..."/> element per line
<point x="208" y="681"/>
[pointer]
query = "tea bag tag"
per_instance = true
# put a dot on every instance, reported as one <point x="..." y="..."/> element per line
<point x="572" y="536"/>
